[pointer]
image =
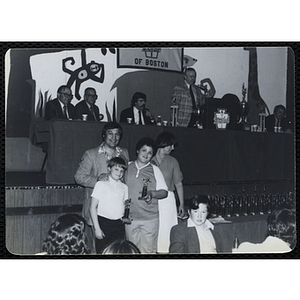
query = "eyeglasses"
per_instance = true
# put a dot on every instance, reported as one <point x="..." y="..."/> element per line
<point x="67" y="95"/>
<point x="92" y="96"/>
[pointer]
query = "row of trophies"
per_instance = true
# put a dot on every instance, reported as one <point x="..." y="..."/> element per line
<point x="244" y="205"/>
<point x="222" y="117"/>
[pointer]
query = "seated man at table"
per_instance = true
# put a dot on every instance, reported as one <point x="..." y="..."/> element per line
<point x="189" y="97"/>
<point x="60" y="107"/>
<point x="195" y="235"/>
<point x="88" y="106"/>
<point x="277" y="122"/>
<point x="281" y="233"/>
<point x="138" y="113"/>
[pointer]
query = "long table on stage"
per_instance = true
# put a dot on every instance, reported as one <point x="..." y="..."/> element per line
<point x="204" y="156"/>
<point x="251" y="229"/>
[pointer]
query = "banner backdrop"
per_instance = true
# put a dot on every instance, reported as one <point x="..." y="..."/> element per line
<point x="168" y="59"/>
<point x="78" y="69"/>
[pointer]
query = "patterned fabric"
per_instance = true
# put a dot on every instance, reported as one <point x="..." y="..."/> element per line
<point x="117" y="152"/>
<point x="184" y="101"/>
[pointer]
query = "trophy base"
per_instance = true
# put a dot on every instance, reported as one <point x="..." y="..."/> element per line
<point x="244" y="126"/>
<point x="126" y="220"/>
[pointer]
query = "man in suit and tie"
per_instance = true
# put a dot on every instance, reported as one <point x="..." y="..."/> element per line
<point x="138" y="112"/>
<point x="277" y="122"/>
<point x="88" y="107"/>
<point x="60" y="107"/>
<point x="189" y="97"/>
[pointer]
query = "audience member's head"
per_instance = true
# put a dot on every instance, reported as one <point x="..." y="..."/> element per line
<point x="282" y="224"/>
<point x="165" y="139"/>
<point x="117" y="161"/>
<point x="116" y="168"/>
<point x="120" y="246"/>
<point x="198" y="209"/>
<point x="67" y="236"/>
<point x="139" y="100"/>
<point x="190" y="76"/>
<point x="279" y="112"/>
<point x="90" y="95"/>
<point x="146" y="141"/>
<point x="64" y="94"/>
<point x="112" y="127"/>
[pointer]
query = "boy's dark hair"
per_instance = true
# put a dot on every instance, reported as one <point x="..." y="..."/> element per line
<point x="117" y="161"/>
<point x="193" y="203"/>
<point x="165" y="139"/>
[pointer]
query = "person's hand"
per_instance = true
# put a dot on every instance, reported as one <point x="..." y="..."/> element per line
<point x="148" y="197"/>
<point x="126" y="220"/>
<point x="99" y="234"/>
<point x="102" y="177"/>
<point x="149" y="115"/>
<point x="181" y="211"/>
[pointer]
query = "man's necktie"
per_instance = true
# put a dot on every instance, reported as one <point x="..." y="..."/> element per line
<point x="193" y="98"/>
<point x="140" y="117"/>
<point x="65" y="111"/>
<point x="93" y="112"/>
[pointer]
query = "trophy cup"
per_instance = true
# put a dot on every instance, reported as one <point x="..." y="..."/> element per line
<point x="221" y="118"/>
<point x="144" y="192"/>
<point x="262" y="119"/>
<point x="125" y="219"/>
<point x="174" y="109"/>
<point x="244" y="110"/>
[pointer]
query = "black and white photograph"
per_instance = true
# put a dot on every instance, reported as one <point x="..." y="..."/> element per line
<point x="150" y="150"/>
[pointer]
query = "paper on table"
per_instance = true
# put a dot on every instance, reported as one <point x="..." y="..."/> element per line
<point x="219" y="219"/>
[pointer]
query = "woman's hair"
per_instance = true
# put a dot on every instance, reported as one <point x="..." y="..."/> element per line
<point x="282" y="224"/>
<point x="117" y="161"/>
<point x="66" y="236"/>
<point x="146" y="141"/>
<point x="112" y="125"/>
<point x="137" y="96"/>
<point x="165" y="139"/>
<point x="120" y="246"/>
<point x="193" y="203"/>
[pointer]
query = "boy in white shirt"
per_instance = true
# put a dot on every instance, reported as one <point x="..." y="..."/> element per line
<point x="108" y="205"/>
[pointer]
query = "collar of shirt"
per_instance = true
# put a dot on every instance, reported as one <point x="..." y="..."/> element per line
<point x="188" y="85"/>
<point x="137" y="116"/>
<point x="88" y="105"/>
<point x="277" y="122"/>
<point x="112" y="181"/>
<point x="102" y="150"/>
<point x="139" y="169"/>
<point x="206" y="226"/>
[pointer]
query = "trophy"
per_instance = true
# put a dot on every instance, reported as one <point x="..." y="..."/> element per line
<point x="244" y="110"/>
<point x="174" y="109"/>
<point x="125" y="219"/>
<point x="144" y="192"/>
<point x="262" y="119"/>
<point x="221" y="118"/>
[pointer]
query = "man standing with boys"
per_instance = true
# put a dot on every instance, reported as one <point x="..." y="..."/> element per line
<point x="94" y="165"/>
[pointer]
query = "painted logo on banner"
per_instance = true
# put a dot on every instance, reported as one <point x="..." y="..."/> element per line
<point x="168" y="59"/>
<point x="78" y="69"/>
